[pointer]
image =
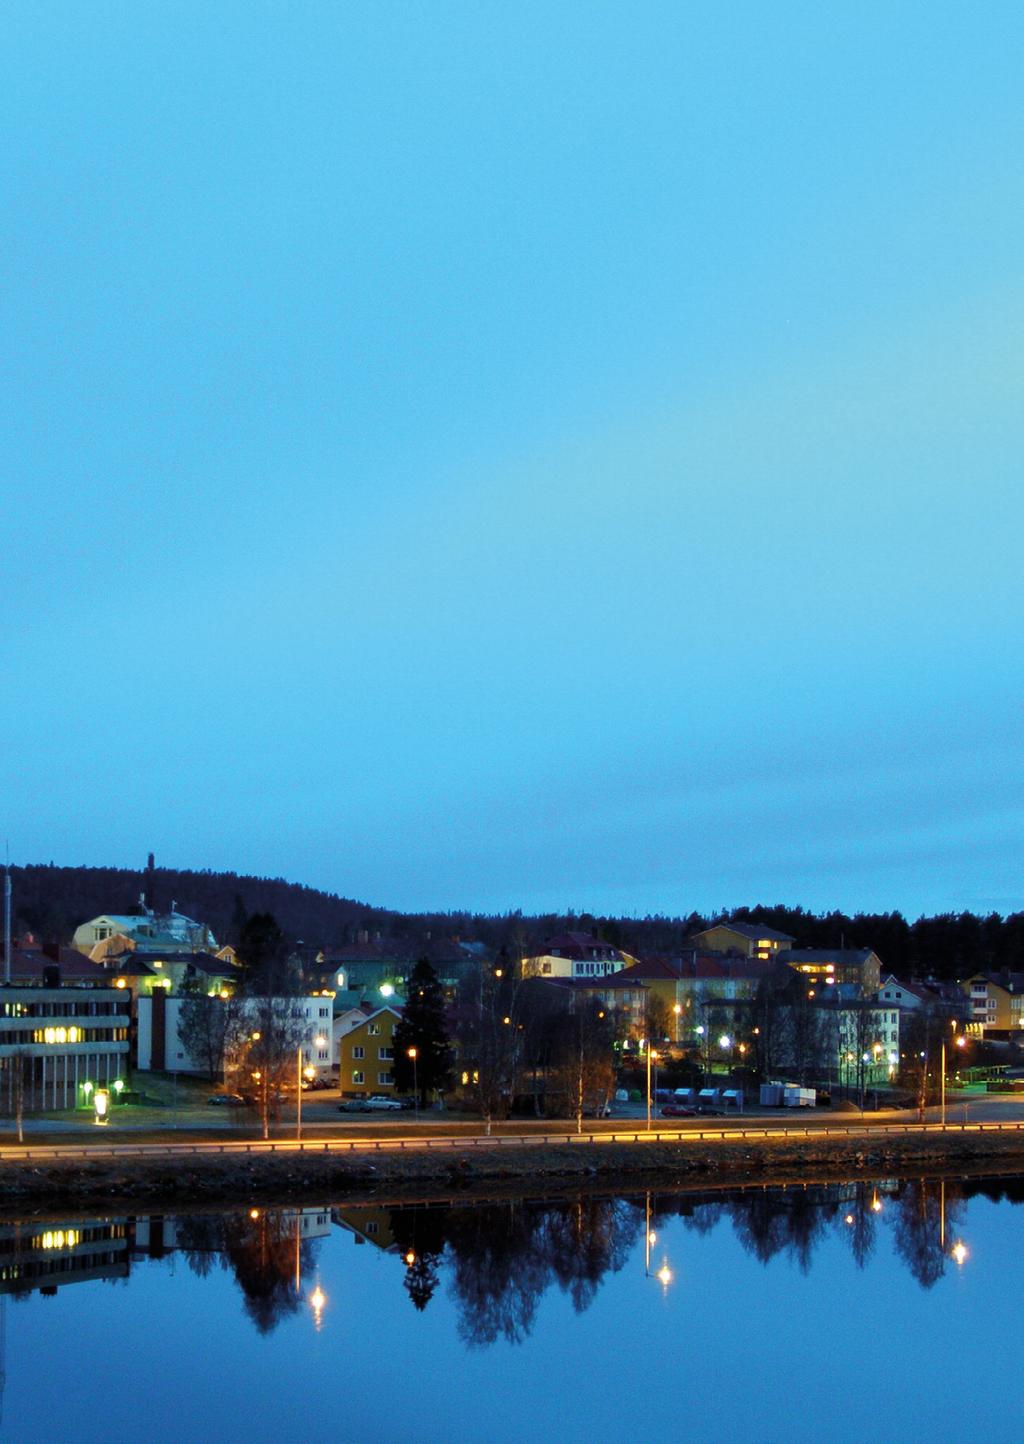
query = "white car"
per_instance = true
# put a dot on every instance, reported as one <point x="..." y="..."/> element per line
<point x="379" y="1101"/>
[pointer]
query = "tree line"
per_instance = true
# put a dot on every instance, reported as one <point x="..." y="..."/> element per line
<point x="52" y="901"/>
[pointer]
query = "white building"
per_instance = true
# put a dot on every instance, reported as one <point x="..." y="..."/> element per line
<point x="149" y="931"/>
<point x="161" y="1050"/>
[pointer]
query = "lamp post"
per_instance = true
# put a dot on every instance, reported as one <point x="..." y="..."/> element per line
<point x="651" y="1055"/>
<point x="677" y="1009"/>
<point x="318" y="1042"/>
<point x="958" y="1042"/>
<point x="414" y="1053"/>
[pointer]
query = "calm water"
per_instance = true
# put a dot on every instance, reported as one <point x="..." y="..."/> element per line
<point x="832" y="1312"/>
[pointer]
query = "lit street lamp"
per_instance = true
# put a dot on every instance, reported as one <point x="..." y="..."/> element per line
<point x="414" y="1053"/>
<point x="318" y="1042"/>
<point x="651" y="1057"/>
<point x="958" y="1042"/>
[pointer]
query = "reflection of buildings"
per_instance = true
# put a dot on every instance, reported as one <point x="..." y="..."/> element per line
<point x="47" y="1256"/>
<point x="161" y="1234"/>
<point x="367" y="1225"/>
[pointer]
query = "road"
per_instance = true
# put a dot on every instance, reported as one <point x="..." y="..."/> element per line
<point x="401" y="1134"/>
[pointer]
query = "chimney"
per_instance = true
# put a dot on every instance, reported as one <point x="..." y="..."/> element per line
<point x="150" y="893"/>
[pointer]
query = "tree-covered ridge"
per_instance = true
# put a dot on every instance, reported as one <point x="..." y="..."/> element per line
<point x="51" y="901"/>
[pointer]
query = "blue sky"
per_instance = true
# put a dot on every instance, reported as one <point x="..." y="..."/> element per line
<point x="543" y="456"/>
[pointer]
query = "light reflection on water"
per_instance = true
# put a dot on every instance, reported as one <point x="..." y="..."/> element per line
<point x="825" y="1310"/>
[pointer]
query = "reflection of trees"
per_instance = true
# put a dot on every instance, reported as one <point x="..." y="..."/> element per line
<point x="769" y="1223"/>
<point x="917" y="1223"/>
<point x="497" y="1273"/>
<point x="502" y="1258"/>
<point x="862" y="1229"/>
<point x="266" y="1253"/>
<point x="419" y="1234"/>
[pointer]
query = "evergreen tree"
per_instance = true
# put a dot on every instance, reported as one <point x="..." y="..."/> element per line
<point x="424" y="1027"/>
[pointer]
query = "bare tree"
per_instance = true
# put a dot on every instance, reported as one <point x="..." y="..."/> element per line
<point x="265" y="1052"/>
<point x="584" y="1074"/>
<point x="210" y="1030"/>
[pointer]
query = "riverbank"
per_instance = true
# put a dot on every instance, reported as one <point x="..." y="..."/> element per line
<point x="194" y="1180"/>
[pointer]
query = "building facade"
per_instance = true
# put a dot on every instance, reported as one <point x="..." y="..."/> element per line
<point x="53" y="1041"/>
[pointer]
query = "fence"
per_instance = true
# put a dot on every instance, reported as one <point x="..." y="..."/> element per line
<point x="498" y="1140"/>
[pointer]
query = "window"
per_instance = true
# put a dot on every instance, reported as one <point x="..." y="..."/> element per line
<point x="374" y="1030"/>
<point x="358" y="1077"/>
<point x="545" y="967"/>
<point x="385" y="1054"/>
<point x="358" y="1053"/>
<point x="385" y="1080"/>
<point x="372" y="1226"/>
<point x="324" y="1012"/>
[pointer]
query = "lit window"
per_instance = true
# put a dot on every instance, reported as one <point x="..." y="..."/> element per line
<point x="358" y="1077"/>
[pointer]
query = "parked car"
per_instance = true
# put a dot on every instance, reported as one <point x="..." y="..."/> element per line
<point x="227" y="1100"/>
<point x="378" y="1101"/>
<point x="678" y="1110"/>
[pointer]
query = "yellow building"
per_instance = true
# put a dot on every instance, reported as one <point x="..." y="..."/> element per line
<point x="997" y="1001"/>
<point x="751" y="940"/>
<point x="366" y="1056"/>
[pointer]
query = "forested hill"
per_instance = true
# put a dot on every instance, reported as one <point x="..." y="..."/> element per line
<point x="51" y="901"/>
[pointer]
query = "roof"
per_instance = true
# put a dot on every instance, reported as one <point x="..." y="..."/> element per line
<point x="209" y="963"/>
<point x="1012" y="982"/>
<point x="617" y="981"/>
<point x="698" y="966"/>
<point x="367" y="1018"/>
<point x="579" y="944"/>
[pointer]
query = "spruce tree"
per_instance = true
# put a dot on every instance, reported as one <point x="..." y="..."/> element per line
<point x="424" y="1027"/>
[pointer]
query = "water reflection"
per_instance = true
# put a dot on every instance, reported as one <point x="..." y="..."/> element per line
<point x="497" y="1260"/>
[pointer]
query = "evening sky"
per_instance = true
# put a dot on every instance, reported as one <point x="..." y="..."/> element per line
<point x="537" y="455"/>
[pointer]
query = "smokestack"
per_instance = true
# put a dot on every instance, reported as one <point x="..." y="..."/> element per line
<point x="149" y="895"/>
<point x="7" y="924"/>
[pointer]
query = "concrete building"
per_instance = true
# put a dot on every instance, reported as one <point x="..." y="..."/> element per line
<point x="54" y="1040"/>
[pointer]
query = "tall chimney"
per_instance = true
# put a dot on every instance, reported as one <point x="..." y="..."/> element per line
<point x="150" y="892"/>
<point x="7" y="923"/>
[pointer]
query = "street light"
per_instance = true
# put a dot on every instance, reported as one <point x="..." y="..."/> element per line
<point x="318" y="1042"/>
<point x="651" y="1056"/>
<point x="414" y="1053"/>
<point x="677" y="1009"/>
<point x="958" y="1042"/>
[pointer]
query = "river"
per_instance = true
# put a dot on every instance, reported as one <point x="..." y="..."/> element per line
<point x="827" y="1311"/>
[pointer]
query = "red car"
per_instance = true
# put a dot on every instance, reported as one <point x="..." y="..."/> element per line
<point x="678" y="1110"/>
